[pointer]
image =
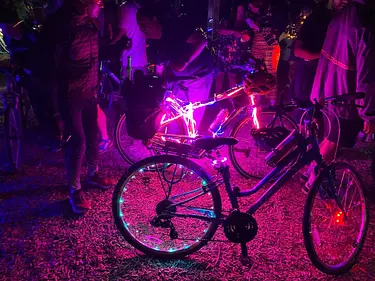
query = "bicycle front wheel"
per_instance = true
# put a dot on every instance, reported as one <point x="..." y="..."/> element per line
<point x="335" y="220"/>
<point x="13" y="136"/>
<point x="247" y="157"/>
<point x="133" y="150"/>
<point x="168" y="211"/>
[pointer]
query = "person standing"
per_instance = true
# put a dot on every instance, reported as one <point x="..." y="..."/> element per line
<point x="347" y="65"/>
<point x="307" y="49"/>
<point x="234" y="39"/>
<point x="128" y="27"/>
<point x="183" y="50"/>
<point x="265" y="45"/>
<point x="77" y="52"/>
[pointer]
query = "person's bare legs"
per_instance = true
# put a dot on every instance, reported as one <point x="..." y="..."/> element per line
<point x="102" y="124"/>
<point x="327" y="150"/>
<point x="103" y="132"/>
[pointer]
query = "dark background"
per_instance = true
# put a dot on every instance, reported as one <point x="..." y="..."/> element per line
<point x="197" y="10"/>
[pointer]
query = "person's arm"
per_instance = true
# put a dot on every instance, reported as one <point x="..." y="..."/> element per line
<point x="121" y="32"/>
<point x="127" y="18"/>
<point x="229" y="32"/>
<point x="303" y="53"/>
<point x="365" y="66"/>
<point x="198" y="42"/>
<point x="252" y="24"/>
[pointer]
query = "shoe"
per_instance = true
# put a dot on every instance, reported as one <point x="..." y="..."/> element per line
<point x="99" y="181"/>
<point x="79" y="202"/>
<point x="104" y="145"/>
<point x="306" y="188"/>
<point x="304" y="177"/>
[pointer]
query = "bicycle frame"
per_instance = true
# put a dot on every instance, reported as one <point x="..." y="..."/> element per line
<point x="305" y="157"/>
<point x="10" y="96"/>
<point x="105" y="72"/>
<point x="187" y="111"/>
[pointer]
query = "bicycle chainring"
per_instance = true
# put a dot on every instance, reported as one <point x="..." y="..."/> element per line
<point x="240" y="227"/>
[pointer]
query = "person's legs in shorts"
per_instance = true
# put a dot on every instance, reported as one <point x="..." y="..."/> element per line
<point x="104" y="142"/>
<point x="91" y="130"/>
<point x="74" y="152"/>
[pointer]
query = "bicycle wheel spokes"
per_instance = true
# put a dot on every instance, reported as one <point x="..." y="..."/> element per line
<point x="248" y="155"/>
<point x="338" y="220"/>
<point x="150" y="200"/>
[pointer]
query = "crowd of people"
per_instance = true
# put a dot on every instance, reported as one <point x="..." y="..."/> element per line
<point x="332" y="52"/>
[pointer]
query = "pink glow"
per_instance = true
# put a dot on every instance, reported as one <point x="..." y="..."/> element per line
<point x="187" y="111"/>
<point x="255" y="112"/>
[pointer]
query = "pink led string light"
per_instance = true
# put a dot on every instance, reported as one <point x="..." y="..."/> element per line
<point x="255" y="112"/>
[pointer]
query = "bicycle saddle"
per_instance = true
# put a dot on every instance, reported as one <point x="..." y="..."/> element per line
<point x="212" y="143"/>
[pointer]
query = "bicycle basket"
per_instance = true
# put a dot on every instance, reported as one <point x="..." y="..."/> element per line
<point x="268" y="138"/>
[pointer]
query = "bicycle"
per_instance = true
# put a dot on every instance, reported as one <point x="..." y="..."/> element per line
<point x="177" y="123"/>
<point x="109" y="85"/>
<point x="17" y="108"/>
<point x="188" y="210"/>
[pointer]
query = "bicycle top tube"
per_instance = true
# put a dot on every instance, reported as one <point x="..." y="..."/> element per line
<point x="219" y="97"/>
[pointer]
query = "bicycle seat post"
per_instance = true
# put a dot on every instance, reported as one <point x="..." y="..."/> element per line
<point x="219" y="162"/>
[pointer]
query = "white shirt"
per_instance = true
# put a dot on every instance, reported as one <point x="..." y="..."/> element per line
<point x="128" y="21"/>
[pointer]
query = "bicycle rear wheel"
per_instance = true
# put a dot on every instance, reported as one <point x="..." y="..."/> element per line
<point x="13" y="136"/>
<point x="335" y="220"/>
<point x="133" y="150"/>
<point x="247" y="157"/>
<point x="143" y="210"/>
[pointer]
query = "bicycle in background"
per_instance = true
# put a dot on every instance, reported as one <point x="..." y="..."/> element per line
<point x="258" y="130"/>
<point x="17" y="110"/>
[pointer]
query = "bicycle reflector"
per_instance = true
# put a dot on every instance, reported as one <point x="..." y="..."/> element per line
<point x="339" y="218"/>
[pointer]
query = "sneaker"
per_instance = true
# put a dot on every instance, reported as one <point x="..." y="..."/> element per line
<point x="306" y="188"/>
<point x="104" y="145"/>
<point x="79" y="202"/>
<point x="304" y="177"/>
<point x="99" y="181"/>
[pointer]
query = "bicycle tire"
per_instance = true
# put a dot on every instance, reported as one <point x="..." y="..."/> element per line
<point x="231" y="149"/>
<point x="172" y="159"/>
<point x="120" y="123"/>
<point x="13" y="115"/>
<point x="306" y="229"/>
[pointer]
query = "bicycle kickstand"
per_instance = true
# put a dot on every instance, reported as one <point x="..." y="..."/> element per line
<point x="244" y="258"/>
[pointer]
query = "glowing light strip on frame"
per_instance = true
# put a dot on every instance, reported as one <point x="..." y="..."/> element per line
<point x="255" y="112"/>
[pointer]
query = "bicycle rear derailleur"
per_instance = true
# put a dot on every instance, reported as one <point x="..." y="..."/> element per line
<point x="163" y="218"/>
<point x="241" y="228"/>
